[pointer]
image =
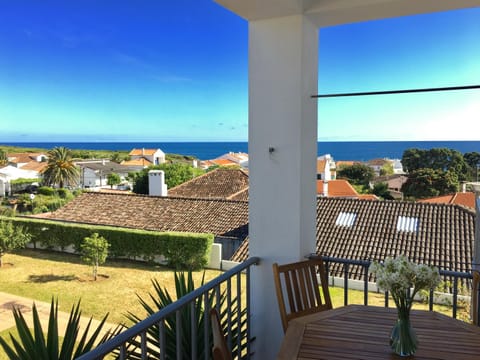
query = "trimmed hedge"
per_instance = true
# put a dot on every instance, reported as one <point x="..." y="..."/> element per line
<point x="182" y="250"/>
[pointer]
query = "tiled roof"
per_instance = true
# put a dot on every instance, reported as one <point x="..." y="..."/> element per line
<point x="223" y="162"/>
<point x="242" y="195"/>
<point x="107" y="167"/>
<point x="136" y="162"/>
<point x="368" y="196"/>
<point x="241" y="254"/>
<point x="22" y="157"/>
<point x="141" y="152"/>
<point x="321" y="166"/>
<point x="371" y="230"/>
<point x="34" y="165"/>
<point x="337" y="188"/>
<point x="217" y="184"/>
<point x="220" y="217"/>
<point x="341" y="163"/>
<point x="444" y="235"/>
<point x="460" y="198"/>
<point x="377" y="162"/>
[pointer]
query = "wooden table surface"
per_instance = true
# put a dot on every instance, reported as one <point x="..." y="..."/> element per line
<point x="362" y="332"/>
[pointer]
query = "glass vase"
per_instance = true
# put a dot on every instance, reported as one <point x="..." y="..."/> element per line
<point x="403" y="339"/>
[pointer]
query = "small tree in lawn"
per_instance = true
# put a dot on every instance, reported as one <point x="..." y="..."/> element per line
<point x="94" y="251"/>
<point x="11" y="238"/>
<point x="113" y="179"/>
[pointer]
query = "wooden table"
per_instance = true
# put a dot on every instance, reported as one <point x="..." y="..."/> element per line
<point x="362" y="332"/>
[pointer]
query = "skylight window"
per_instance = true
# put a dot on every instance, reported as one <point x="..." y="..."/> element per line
<point x="346" y="219"/>
<point x="408" y="224"/>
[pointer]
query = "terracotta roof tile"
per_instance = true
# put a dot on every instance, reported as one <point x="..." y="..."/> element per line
<point x="321" y="166"/>
<point x="36" y="166"/>
<point x="460" y="198"/>
<point x="223" y="162"/>
<point x="241" y="254"/>
<point x="220" y="217"/>
<point x="141" y="152"/>
<point x="337" y="188"/>
<point x="136" y="162"/>
<point x="217" y="184"/>
<point x="444" y="236"/>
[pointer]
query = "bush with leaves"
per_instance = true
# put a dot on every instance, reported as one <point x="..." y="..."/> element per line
<point x="94" y="251"/>
<point x="38" y="345"/>
<point x="11" y="237"/>
<point x="161" y="298"/>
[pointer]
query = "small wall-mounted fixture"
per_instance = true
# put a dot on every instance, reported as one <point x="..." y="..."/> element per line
<point x="271" y="150"/>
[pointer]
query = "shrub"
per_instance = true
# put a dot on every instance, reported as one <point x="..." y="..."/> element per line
<point x="183" y="250"/>
<point x="46" y="190"/>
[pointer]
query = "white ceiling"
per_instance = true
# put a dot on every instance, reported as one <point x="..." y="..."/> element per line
<point x="334" y="12"/>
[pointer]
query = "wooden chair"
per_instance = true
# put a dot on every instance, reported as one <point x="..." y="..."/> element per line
<point x="299" y="281"/>
<point x="220" y="349"/>
<point x="474" y="299"/>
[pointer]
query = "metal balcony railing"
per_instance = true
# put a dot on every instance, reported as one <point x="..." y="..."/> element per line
<point x="229" y="293"/>
<point x="345" y="267"/>
<point x="222" y="293"/>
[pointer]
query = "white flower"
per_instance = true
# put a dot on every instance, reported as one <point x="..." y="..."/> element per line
<point x="403" y="279"/>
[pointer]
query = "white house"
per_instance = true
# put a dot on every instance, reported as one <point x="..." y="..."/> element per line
<point x="145" y="157"/>
<point x="240" y="158"/>
<point x="94" y="174"/>
<point x="9" y="173"/>
<point x="326" y="169"/>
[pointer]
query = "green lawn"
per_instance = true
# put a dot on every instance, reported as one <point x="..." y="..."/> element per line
<point x="40" y="275"/>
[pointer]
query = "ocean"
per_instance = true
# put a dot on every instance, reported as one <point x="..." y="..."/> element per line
<point x="340" y="150"/>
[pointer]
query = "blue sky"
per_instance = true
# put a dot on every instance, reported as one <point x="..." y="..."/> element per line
<point x="178" y="71"/>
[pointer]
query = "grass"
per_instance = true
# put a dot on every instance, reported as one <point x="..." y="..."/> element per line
<point x="40" y="275"/>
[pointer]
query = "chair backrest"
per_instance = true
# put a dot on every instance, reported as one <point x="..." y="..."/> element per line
<point x="474" y="299"/>
<point x="220" y="349"/>
<point x="300" y="283"/>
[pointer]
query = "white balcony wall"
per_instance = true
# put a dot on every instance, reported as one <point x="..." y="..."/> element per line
<point x="283" y="65"/>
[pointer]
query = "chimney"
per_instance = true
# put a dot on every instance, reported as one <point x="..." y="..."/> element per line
<point x="325" y="188"/>
<point x="103" y="162"/>
<point x="143" y="151"/>
<point x="156" y="183"/>
<point x="464" y="187"/>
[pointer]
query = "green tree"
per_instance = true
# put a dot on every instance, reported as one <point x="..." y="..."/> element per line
<point x="113" y="179"/>
<point x="382" y="191"/>
<point x="357" y="174"/>
<point x="437" y="159"/>
<point x="424" y="183"/>
<point x="94" y="251"/>
<point x="3" y="158"/>
<point x="11" y="238"/>
<point x="175" y="174"/>
<point x="473" y="162"/>
<point x="61" y="169"/>
<point x="386" y="169"/>
<point x="116" y="157"/>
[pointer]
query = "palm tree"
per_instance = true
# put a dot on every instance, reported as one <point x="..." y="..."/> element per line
<point x="60" y="169"/>
<point x="3" y="158"/>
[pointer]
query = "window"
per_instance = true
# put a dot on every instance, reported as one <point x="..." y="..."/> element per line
<point x="408" y="224"/>
<point x="346" y="219"/>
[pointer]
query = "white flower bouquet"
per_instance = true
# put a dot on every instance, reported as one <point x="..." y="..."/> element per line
<point x="403" y="280"/>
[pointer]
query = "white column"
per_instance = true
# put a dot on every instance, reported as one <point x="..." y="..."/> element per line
<point x="283" y="74"/>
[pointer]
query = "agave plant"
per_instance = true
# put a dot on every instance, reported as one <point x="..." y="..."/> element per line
<point x="161" y="298"/>
<point x="36" y="345"/>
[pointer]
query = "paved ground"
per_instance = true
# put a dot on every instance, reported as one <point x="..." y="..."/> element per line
<point x="7" y="301"/>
